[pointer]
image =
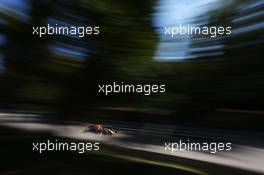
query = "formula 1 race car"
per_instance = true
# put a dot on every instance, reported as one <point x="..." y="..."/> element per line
<point x="99" y="129"/>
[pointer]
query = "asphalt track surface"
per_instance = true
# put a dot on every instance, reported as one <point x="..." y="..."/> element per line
<point x="247" y="152"/>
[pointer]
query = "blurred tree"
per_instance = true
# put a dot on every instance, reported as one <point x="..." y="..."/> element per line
<point x="40" y="79"/>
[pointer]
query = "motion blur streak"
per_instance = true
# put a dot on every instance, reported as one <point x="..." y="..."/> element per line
<point x="199" y="13"/>
<point x="214" y="86"/>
